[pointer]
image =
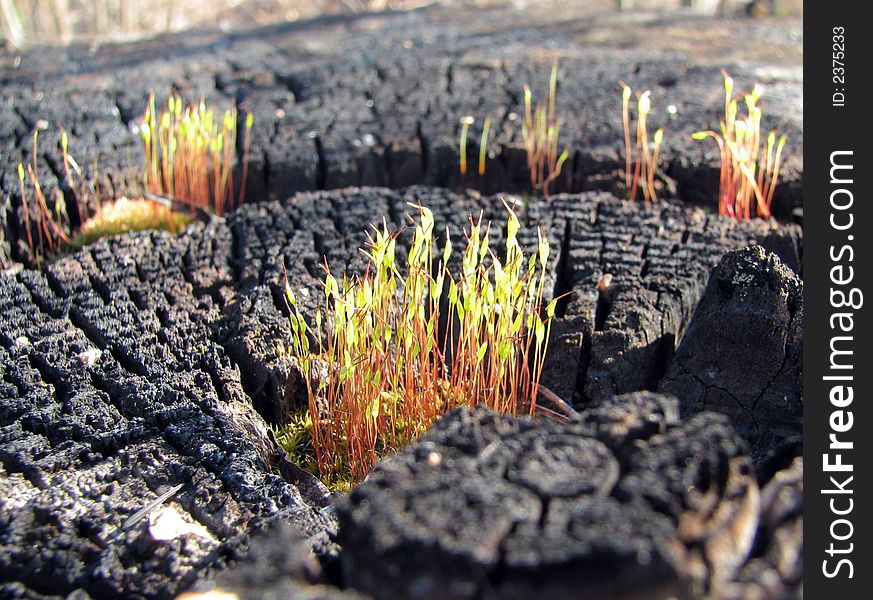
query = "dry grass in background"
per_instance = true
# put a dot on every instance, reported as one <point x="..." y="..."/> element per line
<point x="35" y="22"/>
<point x="28" y="23"/>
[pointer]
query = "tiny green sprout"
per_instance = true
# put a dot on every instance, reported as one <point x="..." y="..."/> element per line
<point x="728" y="84"/>
<point x="561" y="160"/>
<point x="462" y="145"/>
<point x="26" y="207"/>
<point x="645" y="104"/>
<point x="625" y="117"/>
<point x="483" y="145"/>
<point x="542" y="248"/>
<point x="641" y="158"/>
<point x="550" y="308"/>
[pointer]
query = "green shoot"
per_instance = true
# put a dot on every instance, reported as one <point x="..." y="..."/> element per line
<point x="483" y="145"/>
<point x="462" y="144"/>
<point x="749" y="168"/>
<point x="389" y="353"/>
<point x="540" y="131"/>
<point x="190" y="152"/>
<point x="641" y="159"/>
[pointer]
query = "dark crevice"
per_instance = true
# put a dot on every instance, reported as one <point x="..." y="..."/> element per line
<point x="321" y="168"/>
<point x="217" y="382"/>
<point x="564" y="273"/>
<point x="580" y="398"/>
<point x="122" y="113"/>
<point x="645" y="262"/>
<point x="424" y="150"/>
<point x="92" y="333"/>
<point x="44" y="308"/>
<point x="775" y="376"/>
<point x="644" y="269"/>
<point x="265" y="173"/>
<point x="664" y="348"/>
<point x="128" y="362"/>
<point x="50" y="374"/>
<point x="450" y="78"/>
<point x="605" y="300"/>
<point x="100" y="287"/>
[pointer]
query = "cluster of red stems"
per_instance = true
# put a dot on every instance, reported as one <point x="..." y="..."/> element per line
<point x="540" y="130"/>
<point x="749" y="166"/>
<point x="190" y="153"/>
<point x="641" y="158"/>
<point x="47" y="227"/>
<point x="392" y="352"/>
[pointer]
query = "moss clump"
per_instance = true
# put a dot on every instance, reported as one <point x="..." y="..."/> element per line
<point x="190" y="153"/>
<point x="125" y="215"/>
<point x="295" y="438"/>
<point x="386" y="357"/>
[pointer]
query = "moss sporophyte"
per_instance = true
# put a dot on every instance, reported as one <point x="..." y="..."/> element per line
<point x="641" y="158"/>
<point x="190" y="153"/>
<point x="749" y="166"/>
<point x="389" y="352"/>
<point x="466" y="121"/>
<point x="49" y="230"/>
<point x="540" y="131"/>
<point x="52" y="223"/>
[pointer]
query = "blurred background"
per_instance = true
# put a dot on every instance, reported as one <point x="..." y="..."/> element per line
<point x="28" y="23"/>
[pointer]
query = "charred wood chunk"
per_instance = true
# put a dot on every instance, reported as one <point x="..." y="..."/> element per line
<point x="625" y="502"/>
<point x="742" y="353"/>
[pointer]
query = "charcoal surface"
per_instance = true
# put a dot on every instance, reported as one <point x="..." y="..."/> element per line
<point x="630" y="501"/>
<point x="151" y="360"/>
<point x="378" y="100"/>
<point x="742" y="354"/>
<point x="775" y="566"/>
<point x="147" y="362"/>
<point x="113" y="392"/>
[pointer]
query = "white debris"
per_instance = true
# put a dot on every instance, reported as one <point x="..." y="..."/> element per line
<point x="90" y="357"/>
<point x="167" y="524"/>
<point x="216" y="594"/>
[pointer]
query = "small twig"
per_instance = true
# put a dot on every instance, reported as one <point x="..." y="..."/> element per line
<point x="174" y="203"/>
<point x="144" y="511"/>
<point x="558" y="402"/>
<point x="551" y="414"/>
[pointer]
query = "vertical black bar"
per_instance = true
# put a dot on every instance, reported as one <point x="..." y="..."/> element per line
<point x="838" y="425"/>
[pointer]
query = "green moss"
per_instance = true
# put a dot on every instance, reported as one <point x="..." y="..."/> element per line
<point x="295" y="438"/>
<point x="123" y="216"/>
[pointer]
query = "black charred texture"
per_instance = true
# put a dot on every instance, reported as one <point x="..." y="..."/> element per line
<point x="742" y="352"/>
<point x="379" y="102"/>
<point x="627" y="502"/>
